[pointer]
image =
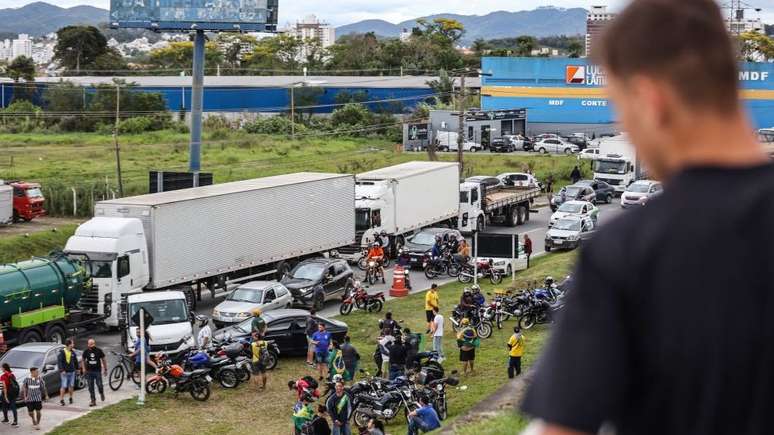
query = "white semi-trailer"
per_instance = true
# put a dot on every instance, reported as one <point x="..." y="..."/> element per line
<point x="403" y="198"/>
<point x="6" y="204"/>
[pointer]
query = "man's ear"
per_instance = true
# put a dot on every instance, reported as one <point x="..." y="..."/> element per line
<point x="655" y="99"/>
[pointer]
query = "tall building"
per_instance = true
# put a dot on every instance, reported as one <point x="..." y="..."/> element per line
<point x="21" y="46"/>
<point x="596" y="20"/>
<point x="312" y="28"/>
<point x="738" y="23"/>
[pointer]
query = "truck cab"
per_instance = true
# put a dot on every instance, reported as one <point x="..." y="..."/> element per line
<point x="114" y="251"/>
<point x="171" y="330"/>
<point x="374" y="210"/>
<point x="471" y="216"/>
<point x="28" y="201"/>
<point x="615" y="170"/>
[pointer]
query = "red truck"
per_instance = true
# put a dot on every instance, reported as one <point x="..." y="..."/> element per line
<point x="27" y="201"/>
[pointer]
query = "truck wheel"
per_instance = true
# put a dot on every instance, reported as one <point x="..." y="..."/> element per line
<point x="512" y="217"/>
<point x="31" y="335"/>
<point x="55" y="334"/>
<point x="480" y="224"/>
<point x="519" y="215"/>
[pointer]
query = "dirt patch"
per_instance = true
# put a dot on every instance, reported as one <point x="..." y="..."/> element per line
<point x="45" y="223"/>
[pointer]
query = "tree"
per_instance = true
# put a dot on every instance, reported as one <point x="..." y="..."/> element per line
<point x="754" y="47"/>
<point x="443" y="87"/>
<point x="351" y="115"/>
<point x="179" y="56"/>
<point x="233" y="53"/>
<point x="525" y="44"/>
<point x="78" y="47"/>
<point x="305" y="98"/>
<point x="441" y="30"/>
<point x="575" y="49"/>
<point x="22" y="67"/>
<point x="479" y="47"/>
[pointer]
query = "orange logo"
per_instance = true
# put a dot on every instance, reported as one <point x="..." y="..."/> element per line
<point x="575" y="74"/>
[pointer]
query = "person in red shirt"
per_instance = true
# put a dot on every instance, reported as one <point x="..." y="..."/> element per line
<point x="527" y="247"/>
<point x="8" y="397"/>
<point x="302" y="388"/>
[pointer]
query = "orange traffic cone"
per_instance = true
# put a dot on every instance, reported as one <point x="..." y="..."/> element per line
<point x="398" y="282"/>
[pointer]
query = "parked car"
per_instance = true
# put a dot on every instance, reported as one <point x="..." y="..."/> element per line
<point x="239" y="304"/>
<point x="580" y="141"/>
<point x="422" y="242"/>
<point x="573" y="193"/>
<point x="467" y="146"/>
<point x="519" y="179"/>
<point x="286" y="327"/>
<point x="501" y="145"/>
<point x="569" y="233"/>
<point x="581" y="209"/>
<point x="640" y="192"/>
<point x="43" y="356"/>
<point x="519" y="142"/>
<point x="485" y="180"/>
<point x="589" y="154"/>
<point x="546" y="146"/>
<point x="318" y="280"/>
<point x="605" y="192"/>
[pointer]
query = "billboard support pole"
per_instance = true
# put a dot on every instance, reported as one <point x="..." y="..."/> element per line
<point x="197" y="98"/>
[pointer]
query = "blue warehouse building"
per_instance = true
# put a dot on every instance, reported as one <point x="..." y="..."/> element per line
<point x="568" y="95"/>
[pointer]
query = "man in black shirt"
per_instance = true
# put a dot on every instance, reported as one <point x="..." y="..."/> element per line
<point x="397" y="358"/>
<point x="94" y="366"/>
<point x="669" y="326"/>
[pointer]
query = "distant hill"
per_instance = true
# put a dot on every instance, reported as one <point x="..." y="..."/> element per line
<point x="40" y="18"/>
<point x="545" y="21"/>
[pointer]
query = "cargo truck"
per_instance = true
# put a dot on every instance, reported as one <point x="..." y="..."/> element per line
<point x="617" y="163"/>
<point x="6" y="204"/>
<point x="401" y="199"/>
<point x="481" y="205"/>
<point x="28" y="201"/>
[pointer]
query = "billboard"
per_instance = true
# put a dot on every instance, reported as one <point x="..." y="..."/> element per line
<point x="212" y="15"/>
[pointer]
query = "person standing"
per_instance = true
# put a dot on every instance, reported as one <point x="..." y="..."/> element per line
<point x="351" y="359"/>
<point x="575" y="175"/>
<point x="321" y="340"/>
<point x="550" y="184"/>
<point x="424" y="419"/>
<point x="431" y="301"/>
<point x="259" y="350"/>
<point x="67" y="362"/>
<point x="311" y="328"/>
<point x="336" y="364"/>
<point x="383" y="347"/>
<point x="340" y="408"/>
<point x="527" y="248"/>
<point x="9" y="392"/>
<point x="437" y="331"/>
<point x="204" y="338"/>
<point x="319" y="423"/>
<point x="467" y="341"/>
<point x="515" y="352"/>
<point x="34" y="392"/>
<point x="94" y="365"/>
<point x="398" y="356"/>
<point x="303" y="413"/>
<point x="258" y="324"/>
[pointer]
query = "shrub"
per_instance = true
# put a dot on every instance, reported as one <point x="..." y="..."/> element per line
<point x="24" y="117"/>
<point x="77" y="123"/>
<point x="216" y="122"/>
<point x="272" y="125"/>
<point x="135" y="125"/>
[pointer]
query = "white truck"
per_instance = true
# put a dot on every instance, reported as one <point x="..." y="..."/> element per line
<point x="448" y="141"/>
<point x="616" y="163"/>
<point x="6" y="204"/>
<point x="213" y="236"/>
<point x="401" y="199"/>
<point x="481" y="205"/>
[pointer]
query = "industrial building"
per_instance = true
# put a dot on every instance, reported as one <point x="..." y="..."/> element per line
<point x="481" y="127"/>
<point x="568" y="95"/>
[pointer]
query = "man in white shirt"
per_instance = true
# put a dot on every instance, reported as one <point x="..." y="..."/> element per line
<point x="437" y="330"/>
<point x="205" y="333"/>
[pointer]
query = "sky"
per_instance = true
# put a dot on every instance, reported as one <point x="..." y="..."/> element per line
<point x="339" y="12"/>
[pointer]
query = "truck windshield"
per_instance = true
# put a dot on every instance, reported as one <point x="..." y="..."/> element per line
<point x="163" y="312"/>
<point x="100" y="269"/>
<point x="609" y="167"/>
<point x="362" y="219"/>
<point x="464" y="197"/>
<point x="34" y="193"/>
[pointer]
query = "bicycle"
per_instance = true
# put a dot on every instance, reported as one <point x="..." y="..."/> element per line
<point x="125" y="369"/>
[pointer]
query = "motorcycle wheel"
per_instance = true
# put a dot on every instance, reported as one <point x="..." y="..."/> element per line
<point x="371" y="277"/>
<point x="455" y="326"/>
<point x="360" y="304"/>
<point x="155" y="386"/>
<point x="430" y="272"/>
<point x="244" y="375"/>
<point x="362" y="264"/>
<point x="484" y="329"/>
<point x="495" y="277"/>
<point x="499" y="320"/>
<point x="228" y="378"/>
<point x="464" y="277"/>
<point x="441" y="408"/>
<point x="526" y="321"/>
<point x="453" y="270"/>
<point x="386" y="262"/>
<point x="200" y="390"/>
<point x="376" y="306"/>
<point x="360" y="418"/>
<point x="272" y="361"/>
<point x="345" y="308"/>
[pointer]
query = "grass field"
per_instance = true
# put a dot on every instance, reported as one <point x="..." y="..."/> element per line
<point x="21" y="247"/>
<point x="245" y="410"/>
<point x="86" y="161"/>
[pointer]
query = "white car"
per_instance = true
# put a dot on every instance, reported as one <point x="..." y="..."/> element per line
<point x="545" y="146"/>
<point x="589" y="154"/>
<point x="239" y="304"/>
<point x="467" y="146"/>
<point x="640" y="192"/>
<point x="519" y="179"/>
<point x="580" y="209"/>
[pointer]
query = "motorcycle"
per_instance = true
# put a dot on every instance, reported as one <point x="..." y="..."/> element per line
<point x="435" y="391"/>
<point x="445" y="264"/>
<point x="360" y="299"/>
<point x="374" y="272"/>
<point x="483" y="327"/>
<point x="540" y="311"/>
<point x="362" y="263"/>
<point x="169" y="375"/>
<point x="485" y="270"/>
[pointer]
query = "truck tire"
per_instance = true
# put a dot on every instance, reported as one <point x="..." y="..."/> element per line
<point x="519" y="215"/>
<point x="30" y="335"/>
<point x="512" y="217"/>
<point x="526" y="213"/>
<point x="480" y="224"/>
<point x="55" y="333"/>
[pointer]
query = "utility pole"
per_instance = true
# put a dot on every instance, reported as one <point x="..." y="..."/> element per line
<point x="461" y="122"/>
<point x="115" y="142"/>
<point x="197" y="99"/>
<point x="293" y="111"/>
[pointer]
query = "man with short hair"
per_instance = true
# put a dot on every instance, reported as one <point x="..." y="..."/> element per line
<point x="437" y="331"/>
<point x="311" y="328"/>
<point x="527" y="248"/>
<point x="340" y="409"/>
<point x="351" y="358"/>
<point x="424" y="419"/>
<point x="321" y="340"/>
<point x="431" y="301"/>
<point x="67" y="362"/>
<point x="94" y="366"/>
<point x="515" y="352"/>
<point x="259" y="347"/>
<point x="34" y="392"/>
<point x="654" y="358"/>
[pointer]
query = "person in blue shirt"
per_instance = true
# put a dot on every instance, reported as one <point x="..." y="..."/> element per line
<point x="437" y="249"/>
<point x="321" y="341"/>
<point x="424" y="419"/>
<point x="136" y="354"/>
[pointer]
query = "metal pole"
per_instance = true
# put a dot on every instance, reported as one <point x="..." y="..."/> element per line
<point x="115" y="142"/>
<point x="293" y="112"/>
<point x="514" y="253"/>
<point x="461" y="126"/>
<point x="475" y="258"/>
<point x="197" y="98"/>
<point x="141" y="397"/>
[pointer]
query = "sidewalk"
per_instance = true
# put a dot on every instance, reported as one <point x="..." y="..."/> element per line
<point x="54" y="415"/>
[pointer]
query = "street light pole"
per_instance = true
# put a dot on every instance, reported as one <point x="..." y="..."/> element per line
<point x="293" y="111"/>
<point x="197" y="100"/>
<point x="461" y="126"/>
<point x="115" y="142"/>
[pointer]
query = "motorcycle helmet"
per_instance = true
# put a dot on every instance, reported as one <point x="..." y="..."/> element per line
<point x="203" y="320"/>
<point x="469" y="334"/>
<point x="465" y="321"/>
<point x="466" y="291"/>
<point x="475" y="289"/>
<point x="337" y="378"/>
<point x="375" y="244"/>
<point x="176" y="371"/>
<point x="383" y="233"/>
<point x="549" y="281"/>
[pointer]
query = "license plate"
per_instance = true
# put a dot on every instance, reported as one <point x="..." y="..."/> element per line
<point x="414" y="260"/>
<point x="209" y="379"/>
<point x="558" y="242"/>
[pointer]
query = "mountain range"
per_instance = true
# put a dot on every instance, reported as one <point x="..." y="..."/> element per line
<point x="544" y="21"/>
<point x="40" y="18"/>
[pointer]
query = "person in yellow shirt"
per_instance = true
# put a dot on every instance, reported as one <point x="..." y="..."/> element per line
<point x="431" y="301"/>
<point x="260" y="348"/>
<point x="515" y="351"/>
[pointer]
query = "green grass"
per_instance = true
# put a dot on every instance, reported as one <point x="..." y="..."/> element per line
<point x="246" y="411"/>
<point x="502" y="423"/>
<point x="21" y="247"/>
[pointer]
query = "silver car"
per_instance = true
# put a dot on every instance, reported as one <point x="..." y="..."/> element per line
<point x="239" y="304"/>
<point x="639" y="193"/>
<point x="569" y="233"/>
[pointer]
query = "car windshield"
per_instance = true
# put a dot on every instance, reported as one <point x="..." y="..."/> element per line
<point x="362" y="219"/>
<point x="638" y="188"/>
<point x="246" y="295"/>
<point x="308" y="271"/>
<point x="244" y="327"/>
<point x="573" y="191"/>
<point x="423" y="238"/>
<point x="567" y="225"/>
<point x="163" y="312"/>
<point x="569" y="207"/>
<point x="23" y="359"/>
<point x="608" y="167"/>
<point x="34" y="192"/>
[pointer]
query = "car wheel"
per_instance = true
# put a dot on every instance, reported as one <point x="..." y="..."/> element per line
<point x="509" y="271"/>
<point x="542" y="151"/>
<point x="271" y="361"/>
<point x="568" y="151"/>
<point x="319" y="301"/>
<point x="474" y="150"/>
<point x="548" y="248"/>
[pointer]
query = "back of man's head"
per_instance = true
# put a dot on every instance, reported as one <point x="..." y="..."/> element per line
<point x="682" y="42"/>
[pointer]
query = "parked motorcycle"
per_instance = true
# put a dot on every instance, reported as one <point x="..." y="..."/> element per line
<point x="169" y="375"/>
<point x="362" y="300"/>
<point x="483" y="327"/>
<point x="445" y="264"/>
<point x="485" y="269"/>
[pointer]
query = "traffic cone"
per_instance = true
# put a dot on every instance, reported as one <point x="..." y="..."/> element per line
<point x="398" y="289"/>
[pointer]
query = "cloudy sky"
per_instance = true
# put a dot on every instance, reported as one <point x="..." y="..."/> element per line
<point x="340" y="12"/>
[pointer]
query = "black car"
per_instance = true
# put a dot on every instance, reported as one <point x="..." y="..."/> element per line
<point x="605" y="192"/>
<point x="44" y="357"/>
<point x="287" y="327"/>
<point x="581" y="142"/>
<point x="421" y="243"/>
<point x="500" y="145"/>
<point x="315" y="281"/>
